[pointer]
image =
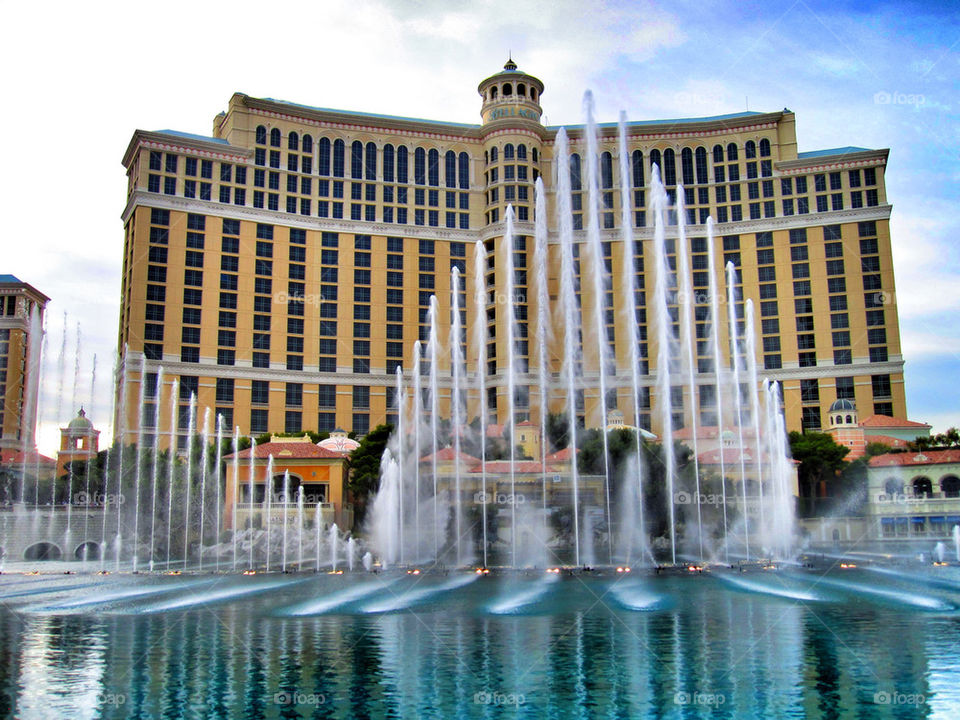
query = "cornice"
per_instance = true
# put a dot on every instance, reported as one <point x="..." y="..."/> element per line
<point x="182" y="144"/>
<point x="864" y="158"/>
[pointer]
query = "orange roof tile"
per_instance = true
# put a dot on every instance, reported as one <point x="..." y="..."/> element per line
<point x="927" y="457"/>
<point x="881" y="421"/>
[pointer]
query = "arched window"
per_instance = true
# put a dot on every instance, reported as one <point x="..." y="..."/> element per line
<point x="950" y="485"/>
<point x="575" y="182"/>
<point x="533" y="94"/>
<point x="323" y="156"/>
<point x="356" y="159"/>
<point x="464" y="171"/>
<point x="701" y="156"/>
<point x="655" y="160"/>
<point x="388" y="163"/>
<point x="764" y="148"/>
<point x="261" y="135"/>
<point x="486" y="157"/>
<point x="293" y="141"/>
<point x="370" y="158"/>
<point x="508" y="151"/>
<point x="307" y="143"/>
<point x="275" y="137"/>
<point x="433" y="168"/>
<point x="669" y="167"/>
<point x="507" y="89"/>
<point x="637" y="169"/>
<point x="732" y="152"/>
<point x="686" y="166"/>
<point x="922" y="487"/>
<point x="493" y="93"/>
<point x="535" y="155"/>
<point x="521" y="152"/>
<point x="893" y="486"/>
<point x="420" y="166"/>
<point x="450" y="169"/>
<point x="493" y="155"/>
<point x="521" y="89"/>
<point x="750" y="149"/>
<point x="718" y="153"/>
<point x="606" y="170"/>
<point x="339" y="161"/>
<point x="849" y="419"/>
<point x="402" y="164"/>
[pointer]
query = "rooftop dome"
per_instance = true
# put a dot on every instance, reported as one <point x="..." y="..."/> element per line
<point x="80" y="422"/>
<point x="843" y="405"/>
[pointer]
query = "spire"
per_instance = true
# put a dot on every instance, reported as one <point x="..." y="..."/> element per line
<point x="510" y="64"/>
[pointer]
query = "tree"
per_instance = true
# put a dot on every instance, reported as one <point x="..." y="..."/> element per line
<point x="820" y="458"/>
<point x="363" y="478"/>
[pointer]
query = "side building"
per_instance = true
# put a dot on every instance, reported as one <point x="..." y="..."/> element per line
<point x="282" y="268"/>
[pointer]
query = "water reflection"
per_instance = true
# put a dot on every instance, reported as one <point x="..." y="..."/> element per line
<point x="708" y="651"/>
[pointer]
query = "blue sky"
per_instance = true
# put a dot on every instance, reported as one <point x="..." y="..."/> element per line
<point x="877" y="75"/>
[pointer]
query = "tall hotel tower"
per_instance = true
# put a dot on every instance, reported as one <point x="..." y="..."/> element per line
<point x="282" y="268"/>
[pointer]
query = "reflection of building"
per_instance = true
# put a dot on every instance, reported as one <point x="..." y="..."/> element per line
<point x="316" y="237"/>
<point x="316" y="473"/>
<point x="849" y="431"/>
<point x="21" y="334"/>
<point x="78" y="441"/>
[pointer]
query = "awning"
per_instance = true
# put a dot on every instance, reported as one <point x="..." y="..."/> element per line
<point x="886" y="521"/>
<point x="919" y="520"/>
<point x="936" y="520"/>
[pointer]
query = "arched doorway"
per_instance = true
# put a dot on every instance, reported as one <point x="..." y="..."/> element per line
<point x="278" y="488"/>
<point x="87" y="551"/>
<point x="922" y="487"/>
<point x="42" y="551"/>
<point x="893" y="486"/>
<point x="950" y="484"/>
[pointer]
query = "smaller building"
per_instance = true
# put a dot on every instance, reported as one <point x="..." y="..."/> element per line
<point x="848" y="430"/>
<point x="80" y="440"/>
<point x="316" y="474"/>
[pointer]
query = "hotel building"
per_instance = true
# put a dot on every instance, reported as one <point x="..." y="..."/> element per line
<point x="282" y="268"/>
<point x="21" y="337"/>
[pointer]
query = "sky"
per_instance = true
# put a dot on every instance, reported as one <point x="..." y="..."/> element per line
<point x="79" y="80"/>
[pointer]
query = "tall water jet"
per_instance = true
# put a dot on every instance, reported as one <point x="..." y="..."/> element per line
<point x="286" y="501"/>
<point x="737" y="395"/>
<point x="252" y="498"/>
<point x="600" y="284"/>
<point x="401" y="444"/>
<point x="236" y="491"/>
<point x="778" y="450"/>
<point x="268" y="495"/>
<point x="511" y="377"/>
<point x="480" y="342"/>
<point x="122" y="416"/>
<point x="218" y="458"/>
<point x="629" y="311"/>
<point x="544" y="336"/>
<point x="456" y="421"/>
<point x="73" y="404"/>
<point x="569" y="321"/>
<point x="664" y="334"/>
<point x="334" y="538"/>
<point x="154" y="470"/>
<point x="687" y="301"/>
<point x="188" y="482"/>
<point x="204" y="463"/>
<point x="88" y="465"/>
<point x="31" y="407"/>
<point x="351" y="552"/>
<point x="171" y="462"/>
<point x="751" y="355"/>
<point x="433" y="349"/>
<point x="300" y="528"/>
<point x="317" y="526"/>
<point x="385" y="524"/>
<point x="417" y="452"/>
<point x="714" y="292"/>
<point x="138" y="468"/>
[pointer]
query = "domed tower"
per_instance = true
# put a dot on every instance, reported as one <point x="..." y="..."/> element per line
<point x="79" y="440"/>
<point x="513" y="141"/>
<point x="843" y="414"/>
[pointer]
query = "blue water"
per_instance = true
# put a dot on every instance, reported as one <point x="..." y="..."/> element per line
<point x="754" y="645"/>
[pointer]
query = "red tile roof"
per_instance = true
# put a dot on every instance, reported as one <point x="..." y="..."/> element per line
<point x="560" y="456"/>
<point x="291" y="451"/>
<point x="448" y="454"/>
<point x="893" y="442"/>
<point x="882" y="421"/>
<point x="927" y="457"/>
<point x="17" y="457"/>
<point x="730" y="456"/>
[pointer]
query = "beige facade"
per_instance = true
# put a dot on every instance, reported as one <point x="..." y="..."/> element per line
<point x="21" y="335"/>
<point x="282" y="268"/>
